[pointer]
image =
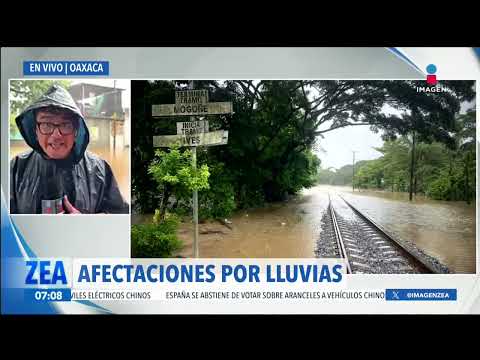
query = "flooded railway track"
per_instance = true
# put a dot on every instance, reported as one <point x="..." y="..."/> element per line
<point x="366" y="246"/>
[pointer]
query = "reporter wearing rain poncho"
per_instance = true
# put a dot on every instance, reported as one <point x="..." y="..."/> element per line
<point x="59" y="167"/>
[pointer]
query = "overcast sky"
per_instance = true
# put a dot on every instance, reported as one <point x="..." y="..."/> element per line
<point x="338" y="145"/>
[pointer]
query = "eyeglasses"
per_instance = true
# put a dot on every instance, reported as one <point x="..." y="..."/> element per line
<point x="47" y="128"/>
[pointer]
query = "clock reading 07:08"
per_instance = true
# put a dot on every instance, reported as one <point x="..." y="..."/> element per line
<point x="43" y="295"/>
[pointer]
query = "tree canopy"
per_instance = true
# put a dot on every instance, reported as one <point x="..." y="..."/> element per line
<point x="440" y="172"/>
<point x="276" y="124"/>
<point x="24" y="92"/>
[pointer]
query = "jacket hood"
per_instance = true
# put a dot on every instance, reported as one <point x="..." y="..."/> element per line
<point x="61" y="98"/>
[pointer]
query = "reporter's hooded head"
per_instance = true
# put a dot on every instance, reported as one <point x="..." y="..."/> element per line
<point x="57" y="98"/>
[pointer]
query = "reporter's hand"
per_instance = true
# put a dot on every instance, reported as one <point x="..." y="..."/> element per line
<point x="69" y="207"/>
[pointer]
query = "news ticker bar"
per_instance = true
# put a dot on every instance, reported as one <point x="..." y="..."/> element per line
<point x="67" y="294"/>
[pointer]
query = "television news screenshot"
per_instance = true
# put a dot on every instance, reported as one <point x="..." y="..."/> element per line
<point x="249" y="180"/>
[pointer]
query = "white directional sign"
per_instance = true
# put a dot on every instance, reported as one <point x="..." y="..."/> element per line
<point x="213" y="108"/>
<point x="192" y="133"/>
<point x="191" y="97"/>
<point x="212" y="138"/>
<point x="192" y="127"/>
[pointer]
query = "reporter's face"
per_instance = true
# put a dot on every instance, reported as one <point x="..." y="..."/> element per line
<point x="55" y="133"/>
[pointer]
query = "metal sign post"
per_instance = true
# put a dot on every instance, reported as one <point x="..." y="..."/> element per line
<point x="193" y="133"/>
<point x="195" y="207"/>
<point x="180" y="100"/>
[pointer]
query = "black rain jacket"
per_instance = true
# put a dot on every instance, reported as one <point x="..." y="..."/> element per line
<point x="84" y="177"/>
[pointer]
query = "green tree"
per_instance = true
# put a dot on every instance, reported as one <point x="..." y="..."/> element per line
<point x="395" y="163"/>
<point x="24" y="92"/>
<point x="458" y="176"/>
<point x="467" y="138"/>
<point x="276" y="124"/>
<point x="326" y="176"/>
<point x="218" y="201"/>
<point x="343" y="176"/>
<point x="370" y="174"/>
<point x="175" y="175"/>
<point x="440" y="172"/>
<point x="145" y="195"/>
<point x="14" y="131"/>
<point x="157" y="239"/>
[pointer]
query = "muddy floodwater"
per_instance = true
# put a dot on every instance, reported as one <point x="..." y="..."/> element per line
<point x="444" y="230"/>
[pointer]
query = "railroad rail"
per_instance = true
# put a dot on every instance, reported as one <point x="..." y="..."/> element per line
<point x="367" y="247"/>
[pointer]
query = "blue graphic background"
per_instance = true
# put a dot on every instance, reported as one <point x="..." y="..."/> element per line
<point x="18" y="300"/>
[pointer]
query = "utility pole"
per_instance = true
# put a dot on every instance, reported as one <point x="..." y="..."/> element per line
<point x="412" y="166"/>
<point x="353" y="170"/>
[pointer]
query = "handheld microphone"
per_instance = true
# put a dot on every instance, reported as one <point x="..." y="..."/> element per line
<point x="52" y="202"/>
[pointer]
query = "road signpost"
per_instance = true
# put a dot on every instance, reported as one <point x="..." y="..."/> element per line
<point x="193" y="133"/>
<point x="219" y="137"/>
<point x="192" y="127"/>
<point x="215" y="108"/>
